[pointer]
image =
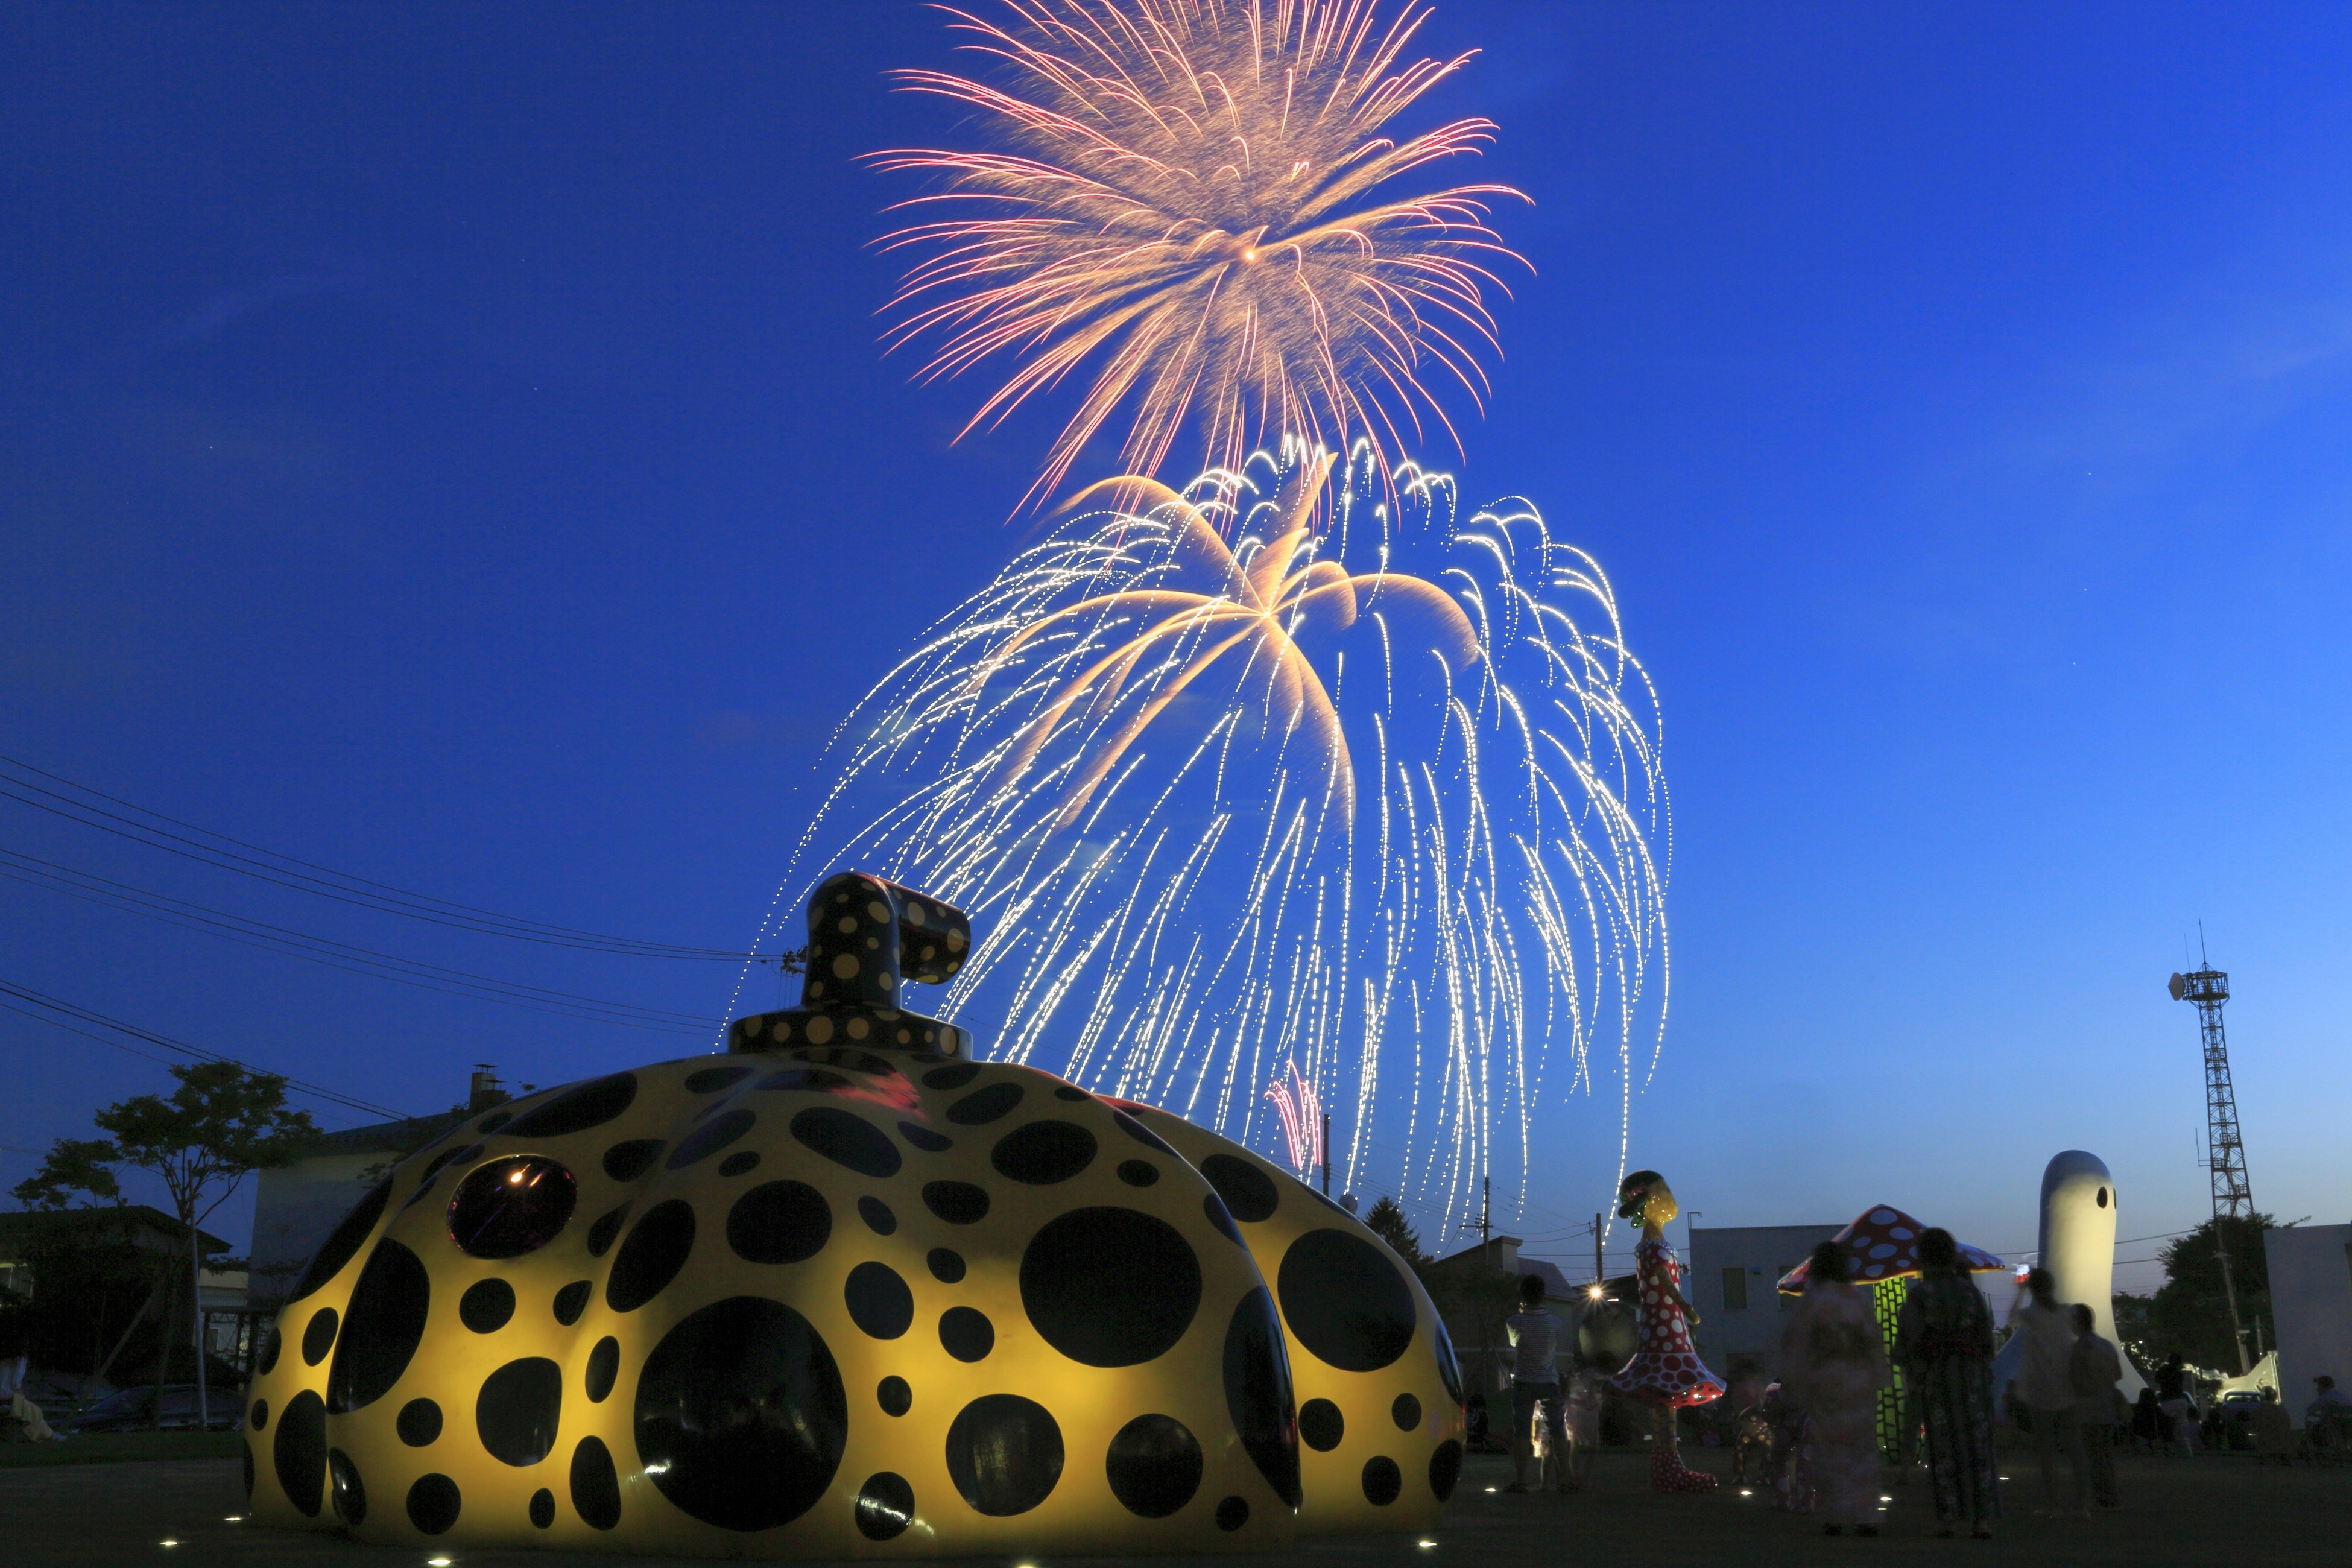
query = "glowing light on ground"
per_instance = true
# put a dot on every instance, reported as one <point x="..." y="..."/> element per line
<point x="1371" y="796"/>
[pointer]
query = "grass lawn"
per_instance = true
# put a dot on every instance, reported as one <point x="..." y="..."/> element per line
<point x="114" y="1447"/>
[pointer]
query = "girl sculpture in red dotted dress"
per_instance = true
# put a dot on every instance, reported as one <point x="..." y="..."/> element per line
<point x="1666" y="1373"/>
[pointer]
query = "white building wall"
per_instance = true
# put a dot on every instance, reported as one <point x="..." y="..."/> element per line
<point x="294" y="1207"/>
<point x="1734" y="1273"/>
<point x="2311" y="1305"/>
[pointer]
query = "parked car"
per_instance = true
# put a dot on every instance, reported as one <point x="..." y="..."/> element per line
<point x="133" y="1410"/>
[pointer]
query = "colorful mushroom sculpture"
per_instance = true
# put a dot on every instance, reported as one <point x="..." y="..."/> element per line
<point x="1884" y="1243"/>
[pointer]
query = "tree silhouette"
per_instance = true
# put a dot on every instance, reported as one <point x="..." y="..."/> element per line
<point x="202" y="1141"/>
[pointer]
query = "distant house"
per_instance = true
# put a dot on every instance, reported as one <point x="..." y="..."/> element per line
<point x="1734" y="1281"/>
<point x="108" y="1261"/>
<point x="150" y="1230"/>
<point x="1478" y="1288"/>
<point x="294" y="1207"/>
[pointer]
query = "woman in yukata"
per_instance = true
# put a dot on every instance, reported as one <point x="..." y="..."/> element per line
<point x="1666" y="1373"/>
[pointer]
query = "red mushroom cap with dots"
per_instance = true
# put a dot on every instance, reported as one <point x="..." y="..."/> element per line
<point x="1884" y="1243"/>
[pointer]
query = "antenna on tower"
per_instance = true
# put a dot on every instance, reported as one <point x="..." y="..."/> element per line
<point x="2225" y="1152"/>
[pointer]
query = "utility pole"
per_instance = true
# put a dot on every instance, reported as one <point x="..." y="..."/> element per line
<point x="1600" y="1274"/>
<point x="1327" y="1153"/>
<point x="2225" y="1151"/>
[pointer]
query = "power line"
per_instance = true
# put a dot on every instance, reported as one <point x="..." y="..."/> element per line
<point x="308" y="876"/>
<point x="110" y="894"/>
<point x="88" y="1016"/>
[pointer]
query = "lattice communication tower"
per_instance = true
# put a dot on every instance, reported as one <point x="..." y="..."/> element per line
<point x="2225" y="1152"/>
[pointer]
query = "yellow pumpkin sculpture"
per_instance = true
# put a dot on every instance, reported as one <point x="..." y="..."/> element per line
<point x="846" y="1292"/>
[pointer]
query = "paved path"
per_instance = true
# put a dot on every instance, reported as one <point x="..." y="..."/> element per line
<point x="2208" y="1512"/>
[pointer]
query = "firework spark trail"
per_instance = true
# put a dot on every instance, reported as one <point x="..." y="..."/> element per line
<point x="1202" y="862"/>
<point x="1195" y="214"/>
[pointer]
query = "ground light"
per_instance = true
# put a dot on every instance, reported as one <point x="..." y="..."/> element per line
<point x="1428" y="1543"/>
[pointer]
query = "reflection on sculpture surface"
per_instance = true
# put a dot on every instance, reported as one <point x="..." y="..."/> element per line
<point x="844" y="1291"/>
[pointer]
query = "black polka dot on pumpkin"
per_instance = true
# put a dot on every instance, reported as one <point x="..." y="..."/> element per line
<point x="486" y="1306"/>
<point x="572" y="1301"/>
<point x="595" y="1487"/>
<point x="779" y="1222"/>
<point x="495" y="1120"/>
<point x="1233" y="1513"/>
<point x="517" y="1412"/>
<point x="923" y="1138"/>
<point x="1070" y="1091"/>
<point x="511" y="1206"/>
<point x="657" y="1250"/>
<point x="1346" y="1300"/>
<point x="982" y="1106"/>
<point x="1044" y="1153"/>
<point x="1249" y="1193"/>
<point x="272" y="1348"/>
<point x="344" y="1486"/>
<point x="876" y="1215"/>
<point x="1005" y="1454"/>
<point x="709" y="1138"/>
<point x="878" y="1300"/>
<point x="893" y="1396"/>
<point x="1321" y="1426"/>
<point x="298" y="1453"/>
<point x="966" y="1333"/>
<point x="710" y="1078"/>
<point x="740" y="1415"/>
<point x="1109" y="1287"/>
<point x="1154" y="1464"/>
<point x="383" y="1328"/>
<point x="946" y="1265"/>
<point x="343" y="1243"/>
<point x="600" y="1234"/>
<point x="1405" y="1412"/>
<point x="886" y="1507"/>
<point x="447" y="1157"/>
<point x="604" y="1366"/>
<point x="433" y="1503"/>
<point x="1137" y="1172"/>
<point x="419" y="1423"/>
<point x="847" y="1139"/>
<point x="958" y="1202"/>
<point x="258" y="1419"/>
<point x="1258" y="1396"/>
<point x="245" y="1453"/>
<point x="1382" y="1480"/>
<point x="578" y="1108"/>
<point x="1214" y="1207"/>
<point x="319" y="1336"/>
<point x="802" y="1081"/>
<point x="1139" y="1133"/>
<point x="626" y="1161"/>
<point x="1446" y="1469"/>
<point x="948" y="1078"/>
<point x="542" y="1508"/>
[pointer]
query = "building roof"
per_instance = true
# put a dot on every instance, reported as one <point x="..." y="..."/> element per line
<point x="22" y="1223"/>
<point x="1555" y="1282"/>
<point x="386" y="1137"/>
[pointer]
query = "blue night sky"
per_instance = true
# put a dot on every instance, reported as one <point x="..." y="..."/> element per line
<point x="449" y="444"/>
